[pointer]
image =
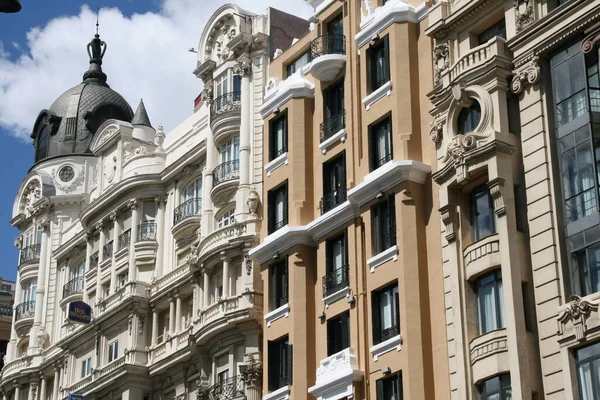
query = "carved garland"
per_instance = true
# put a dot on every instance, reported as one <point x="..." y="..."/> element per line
<point x="578" y="311"/>
<point x="530" y="73"/>
<point x="524" y="14"/>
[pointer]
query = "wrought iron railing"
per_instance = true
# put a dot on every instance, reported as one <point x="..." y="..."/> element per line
<point x="30" y="253"/>
<point x="389" y="333"/>
<point x="226" y="171"/>
<point x="333" y="125"/>
<point x="385" y="238"/>
<point x="147" y="231"/>
<point x="187" y="209"/>
<point x="336" y="280"/>
<point x="124" y="239"/>
<point x="231" y="101"/>
<point x="229" y="388"/>
<point x="279" y="224"/>
<point x="94" y="258"/>
<point x="107" y="250"/>
<point x="75" y="285"/>
<point x="6" y="310"/>
<point x="385" y="159"/>
<point x="25" y="310"/>
<point x="332" y="200"/>
<point x="328" y="44"/>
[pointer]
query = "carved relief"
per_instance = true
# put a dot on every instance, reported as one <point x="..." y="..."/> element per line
<point x="436" y="132"/>
<point x="253" y="201"/>
<point x="159" y="136"/>
<point x="496" y="186"/>
<point x="31" y="194"/>
<point x="70" y="186"/>
<point x="448" y="216"/>
<point x="252" y="371"/>
<point x="132" y="151"/>
<point x="577" y="312"/>
<point x="226" y="34"/>
<point x="524" y="14"/>
<point x="243" y="66"/>
<point x="590" y="41"/>
<point x="441" y="60"/>
<point x="530" y="73"/>
<point x="207" y="92"/>
<point x="110" y="168"/>
<point x="43" y="224"/>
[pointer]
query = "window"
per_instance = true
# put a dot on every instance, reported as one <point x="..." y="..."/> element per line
<point x="483" y="218"/>
<point x="584" y="249"/>
<point x="278" y="208"/>
<point x="338" y="333"/>
<point x="380" y="142"/>
<point x="280" y="363"/>
<point x="218" y="287"/>
<point x="86" y="367"/>
<point x="514" y="113"/>
<point x="334" y="183"/>
<point x="106" y="290"/>
<point x="390" y="388"/>
<point x="230" y="150"/>
<point x="29" y="292"/>
<point x="113" y="351"/>
<point x="278" y="275"/>
<point x="490" y="302"/>
<point x="192" y="198"/>
<point x="384" y="224"/>
<point x="237" y="84"/>
<point x="227" y="218"/>
<point x="333" y="99"/>
<point x="41" y="150"/>
<point x="386" y="313"/>
<point x="496" y="388"/>
<point x="468" y="118"/>
<point x="378" y="56"/>
<point x="336" y="264"/>
<point x="123" y="279"/>
<point x="221" y="85"/>
<point x="498" y="29"/>
<point x="298" y="63"/>
<point x="278" y="136"/>
<point x="588" y="371"/>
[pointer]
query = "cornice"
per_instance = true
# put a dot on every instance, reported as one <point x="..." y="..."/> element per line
<point x="278" y="93"/>
<point x="459" y="17"/>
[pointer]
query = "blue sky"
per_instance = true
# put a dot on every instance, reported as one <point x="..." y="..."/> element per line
<point x="43" y="53"/>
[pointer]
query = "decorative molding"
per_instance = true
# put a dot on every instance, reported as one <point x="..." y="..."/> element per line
<point x="448" y="216"/>
<point x="133" y="204"/>
<point x="283" y="311"/>
<point x="248" y="263"/>
<point x="276" y="163"/>
<point x="277" y="94"/>
<point x="340" y="136"/>
<point x="279" y="394"/>
<point x="332" y="298"/>
<point x="530" y="73"/>
<point x="496" y="187"/>
<point x="243" y="66"/>
<point x="251" y="371"/>
<point x="524" y="14"/>
<point x="591" y="40"/>
<point x="441" y="60"/>
<point x="394" y="343"/>
<point x="383" y="257"/>
<point x="577" y="312"/>
<point x="132" y="151"/>
<point x="436" y="132"/>
<point x="384" y="90"/>
<point x="335" y="376"/>
<point x="141" y="321"/>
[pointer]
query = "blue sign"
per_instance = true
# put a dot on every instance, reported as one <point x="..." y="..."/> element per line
<point x="75" y="396"/>
<point x="80" y="313"/>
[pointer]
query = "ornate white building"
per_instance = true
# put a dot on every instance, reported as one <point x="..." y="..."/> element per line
<point x="152" y="230"/>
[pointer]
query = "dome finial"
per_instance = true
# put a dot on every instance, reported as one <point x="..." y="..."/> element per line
<point x="96" y="49"/>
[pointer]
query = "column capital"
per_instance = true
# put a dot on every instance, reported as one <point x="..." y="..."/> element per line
<point x="223" y="256"/>
<point x="448" y="216"/>
<point x="530" y="73"/>
<point x="160" y="200"/>
<point x="89" y="235"/>
<point x="113" y="216"/>
<point x="99" y="226"/>
<point x="19" y="242"/>
<point x="133" y="204"/>
<point x="43" y="224"/>
<point x="243" y="66"/>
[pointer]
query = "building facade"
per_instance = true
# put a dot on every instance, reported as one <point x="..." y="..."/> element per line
<point x="152" y="230"/>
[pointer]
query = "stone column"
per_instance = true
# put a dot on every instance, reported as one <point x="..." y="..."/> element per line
<point x="43" y="388"/>
<point x="154" y="326"/>
<point x="11" y="352"/>
<point x="225" y="277"/>
<point x="195" y="300"/>
<point x="114" y="217"/>
<point x="251" y="372"/>
<point x="89" y="248"/>
<point x="178" y="313"/>
<point x="206" y="289"/>
<point x="33" y="387"/>
<point x="17" y="393"/>
<point x="135" y="221"/>
<point x="101" y="243"/>
<point x="160" y="233"/>
<point x="171" y="316"/>
<point x="44" y="226"/>
<point x="55" y="386"/>
<point x="243" y="68"/>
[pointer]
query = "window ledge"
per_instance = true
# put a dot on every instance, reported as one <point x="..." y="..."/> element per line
<point x="384" y="256"/>
<point x="385" y="347"/>
<point x="283" y="311"/>
<point x="276" y="163"/>
<point x="332" y="298"/>
<point x="279" y="394"/>
<point x="371" y="99"/>
<point x="340" y="135"/>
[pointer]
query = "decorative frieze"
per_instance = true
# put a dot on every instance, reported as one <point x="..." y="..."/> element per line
<point x="441" y="60"/>
<point x="577" y="312"/>
<point x="524" y="14"/>
<point x="529" y="74"/>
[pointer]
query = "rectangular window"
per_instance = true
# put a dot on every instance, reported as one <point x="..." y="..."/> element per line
<point x="498" y="29"/>
<point x="334" y="111"/>
<point x="336" y="278"/>
<point x="390" y="388"/>
<point x="490" y="302"/>
<point x="280" y="363"/>
<point x="386" y="313"/>
<point x="278" y="284"/>
<point x="380" y="142"/>
<point x="334" y="183"/>
<point x="113" y="351"/>
<point x="298" y="63"/>
<point x="584" y="249"/>
<point x="278" y="136"/>
<point x="278" y="208"/>
<point x="483" y="218"/>
<point x="384" y="224"/>
<point x="378" y="56"/>
<point x="338" y="333"/>
<point x="86" y="367"/>
<point x="123" y="279"/>
<point x="588" y="371"/>
<point x="496" y="388"/>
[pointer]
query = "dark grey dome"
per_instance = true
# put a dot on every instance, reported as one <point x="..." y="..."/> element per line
<point x="68" y="126"/>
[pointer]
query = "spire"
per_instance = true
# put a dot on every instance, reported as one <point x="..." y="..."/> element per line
<point x="96" y="49"/>
<point x="141" y="116"/>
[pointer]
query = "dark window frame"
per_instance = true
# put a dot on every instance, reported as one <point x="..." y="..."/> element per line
<point x="477" y="224"/>
<point x="375" y="161"/>
<point x="279" y="284"/>
<point x="292" y="67"/>
<point x="334" y="193"/>
<point x="468" y="118"/>
<point x="273" y="224"/>
<point x="378" y="76"/>
<point x="589" y="361"/>
<point x="274" y="149"/>
<point x="380" y="335"/>
<point x="497" y="29"/>
<point x="502" y="388"/>
<point x="393" y="382"/>
<point x="280" y="372"/>
<point x="43" y="136"/>
<point x="490" y="280"/>
<point x="383" y="224"/>
<point x="338" y="333"/>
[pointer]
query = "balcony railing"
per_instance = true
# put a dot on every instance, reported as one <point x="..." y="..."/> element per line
<point x="333" y="125"/>
<point x="229" y="388"/>
<point x="385" y="239"/>
<point x="30" y="253"/>
<point x="94" y="258"/>
<point x="147" y="231"/>
<point x="328" y="44"/>
<point x="187" y="209"/>
<point x="336" y="280"/>
<point x="226" y="171"/>
<point x="25" y="310"/>
<point x="124" y="239"/>
<point x="75" y="285"/>
<point x="6" y="310"/>
<point x="332" y="200"/>
<point x="381" y="161"/>
<point x="107" y="250"/>
<point x="389" y="333"/>
<point x="231" y="101"/>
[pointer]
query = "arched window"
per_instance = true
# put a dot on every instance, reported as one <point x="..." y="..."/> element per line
<point x="192" y="196"/>
<point x="226" y="219"/>
<point x="41" y="147"/>
<point x="469" y="118"/>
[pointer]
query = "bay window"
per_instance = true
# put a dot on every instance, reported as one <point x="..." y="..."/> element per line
<point x="386" y="313"/>
<point x="380" y="142"/>
<point x="277" y="208"/>
<point x="483" y="218"/>
<point x="496" y="388"/>
<point x="490" y="302"/>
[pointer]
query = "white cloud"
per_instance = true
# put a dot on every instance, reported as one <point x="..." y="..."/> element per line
<point x="146" y="58"/>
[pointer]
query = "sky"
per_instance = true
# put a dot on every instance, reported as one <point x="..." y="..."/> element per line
<point x="43" y="54"/>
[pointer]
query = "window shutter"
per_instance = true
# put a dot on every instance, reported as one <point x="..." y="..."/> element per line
<point x="272" y="365"/>
<point x="380" y="389"/>
<point x="397" y="309"/>
<point x="271" y="211"/>
<point x="386" y="49"/>
<point x="345" y="330"/>
<point x="285" y="203"/>
<point x="273" y="286"/>
<point x="376" y="318"/>
<point x="371" y="148"/>
<point x="290" y="363"/>
<point x="392" y="219"/>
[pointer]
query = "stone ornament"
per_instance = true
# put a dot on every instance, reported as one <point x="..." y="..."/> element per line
<point x="43" y="224"/>
<point x="243" y="67"/>
<point x="159" y="136"/>
<point x="436" y="132"/>
<point x="133" y="151"/>
<point x="253" y="202"/>
<point x="441" y="60"/>
<point x="591" y="40"/>
<point x="524" y="14"/>
<point x="248" y="263"/>
<point x="70" y="186"/>
<point x="133" y="204"/>
<point x="251" y="371"/>
<point x="19" y="242"/>
<point x="448" y="216"/>
<point x="577" y="311"/>
<point x="31" y="194"/>
<point x="207" y="92"/>
<point x="496" y="186"/>
<point x="530" y="73"/>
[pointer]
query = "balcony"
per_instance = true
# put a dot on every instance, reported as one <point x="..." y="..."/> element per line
<point x="74" y="286"/>
<point x="187" y="209"/>
<point x="146" y="231"/>
<point x="30" y="253"/>
<point x="24" y="314"/>
<point x="146" y="246"/>
<point x="332" y="131"/>
<point x="482" y="256"/>
<point x="335" y="285"/>
<point x="124" y="239"/>
<point x="107" y="250"/>
<point x="225" y="180"/>
<point x="332" y="200"/>
<point x="328" y="55"/>
<point x="336" y="376"/>
<point x="225" y="115"/>
<point x="230" y="388"/>
<point x="489" y="354"/>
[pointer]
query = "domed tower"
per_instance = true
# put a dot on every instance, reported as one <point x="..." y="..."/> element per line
<point x="68" y="126"/>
